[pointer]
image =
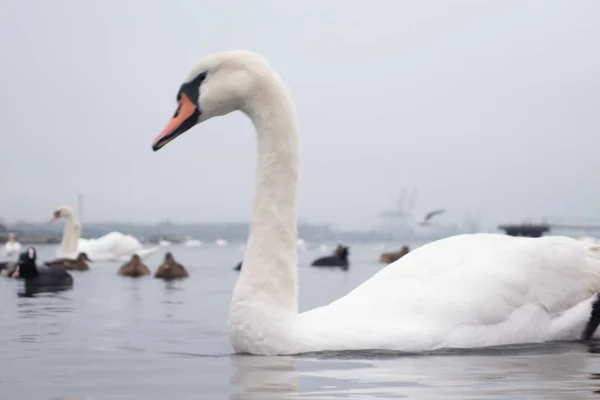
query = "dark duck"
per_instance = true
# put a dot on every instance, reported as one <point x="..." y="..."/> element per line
<point x="77" y="264"/>
<point x="44" y="279"/>
<point x="134" y="268"/>
<point x="171" y="269"/>
<point x="338" y="259"/>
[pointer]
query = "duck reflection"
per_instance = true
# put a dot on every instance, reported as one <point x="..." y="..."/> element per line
<point x="264" y="377"/>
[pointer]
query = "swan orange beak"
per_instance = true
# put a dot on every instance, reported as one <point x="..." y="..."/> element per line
<point x="55" y="216"/>
<point x="186" y="116"/>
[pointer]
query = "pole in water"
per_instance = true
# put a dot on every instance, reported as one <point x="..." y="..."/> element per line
<point x="80" y="207"/>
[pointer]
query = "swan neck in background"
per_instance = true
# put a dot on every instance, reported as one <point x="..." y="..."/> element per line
<point x="70" y="238"/>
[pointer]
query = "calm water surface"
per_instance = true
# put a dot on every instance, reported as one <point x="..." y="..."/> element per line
<point x="118" y="338"/>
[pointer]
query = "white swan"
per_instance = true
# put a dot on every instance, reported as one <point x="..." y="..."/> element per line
<point x="113" y="246"/>
<point x="12" y="246"/>
<point x="463" y="291"/>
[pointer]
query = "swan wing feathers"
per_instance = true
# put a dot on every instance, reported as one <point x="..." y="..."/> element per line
<point x="458" y="286"/>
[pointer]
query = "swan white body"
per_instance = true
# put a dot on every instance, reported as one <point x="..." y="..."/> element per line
<point x="11" y="247"/>
<point x="464" y="291"/>
<point x="113" y="246"/>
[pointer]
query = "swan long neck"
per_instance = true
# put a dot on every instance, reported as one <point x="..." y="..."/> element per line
<point x="70" y="237"/>
<point x="269" y="274"/>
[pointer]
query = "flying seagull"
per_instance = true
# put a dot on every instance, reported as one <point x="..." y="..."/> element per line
<point x="429" y="216"/>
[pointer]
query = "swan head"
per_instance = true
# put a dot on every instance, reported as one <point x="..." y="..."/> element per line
<point x="62" y="211"/>
<point x="217" y="85"/>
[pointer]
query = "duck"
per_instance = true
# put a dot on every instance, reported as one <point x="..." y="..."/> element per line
<point x="44" y="279"/>
<point x="170" y="269"/>
<point x="462" y="291"/>
<point x="77" y="264"/>
<point x="134" y="268"/>
<point x="339" y="258"/>
<point x="392" y="256"/>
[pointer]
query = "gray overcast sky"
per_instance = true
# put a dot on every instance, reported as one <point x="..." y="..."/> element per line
<point x="490" y="107"/>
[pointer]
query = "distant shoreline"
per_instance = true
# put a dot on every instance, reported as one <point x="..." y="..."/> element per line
<point x="43" y="232"/>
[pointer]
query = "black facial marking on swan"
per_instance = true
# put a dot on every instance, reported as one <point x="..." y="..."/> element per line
<point x="192" y="88"/>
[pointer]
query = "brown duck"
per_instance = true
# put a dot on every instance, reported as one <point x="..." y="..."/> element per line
<point x="78" y="264"/>
<point x="134" y="268"/>
<point x="170" y="269"/>
<point x="390" y="257"/>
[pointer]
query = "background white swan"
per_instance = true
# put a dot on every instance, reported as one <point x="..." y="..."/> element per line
<point x="463" y="291"/>
<point x="11" y="247"/>
<point x="113" y="246"/>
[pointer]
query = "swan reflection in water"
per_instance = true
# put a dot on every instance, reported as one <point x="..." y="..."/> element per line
<point x="264" y="377"/>
<point x="559" y="370"/>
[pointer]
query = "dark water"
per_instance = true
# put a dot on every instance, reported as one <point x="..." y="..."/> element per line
<point x="117" y="338"/>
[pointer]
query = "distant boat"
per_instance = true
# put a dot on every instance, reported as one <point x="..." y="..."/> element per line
<point x="301" y="243"/>
<point x="221" y="242"/>
<point x="164" y="243"/>
<point x="189" y="242"/>
<point x="377" y="247"/>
